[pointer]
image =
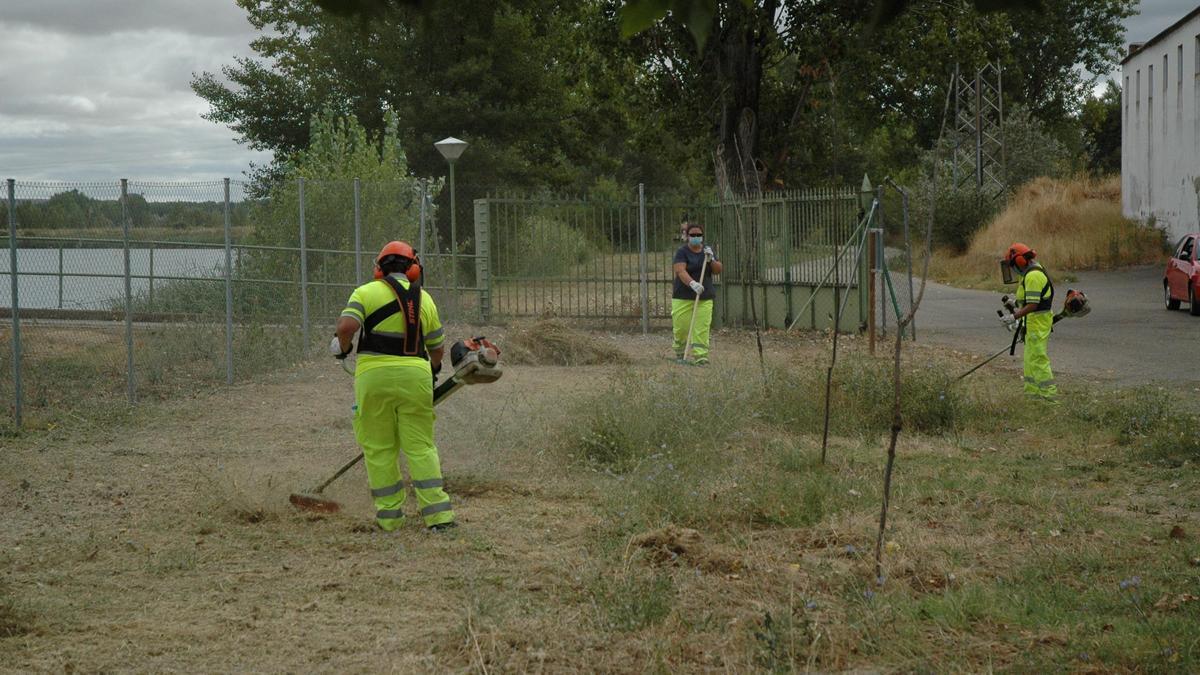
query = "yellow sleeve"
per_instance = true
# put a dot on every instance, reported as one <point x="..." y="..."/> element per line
<point x="1035" y="285"/>
<point x="354" y="307"/>
<point x="431" y="325"/>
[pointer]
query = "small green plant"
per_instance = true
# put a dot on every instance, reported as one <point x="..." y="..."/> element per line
<point x="634" y="601"/>
<point x="782" y="640"/>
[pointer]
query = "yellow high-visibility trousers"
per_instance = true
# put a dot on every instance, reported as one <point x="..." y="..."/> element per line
<point x="1039" y="379"/>
<point x="395" y="411"/>
<point x="681" y="320"/>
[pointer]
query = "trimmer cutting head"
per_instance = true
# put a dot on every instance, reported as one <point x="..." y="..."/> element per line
<point x="314" y="502"/>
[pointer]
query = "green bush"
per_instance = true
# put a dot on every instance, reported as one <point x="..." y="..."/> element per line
<point x="636" y="419"/>
<point x="545" y="247"/>
<point x="861" y="399"/>
<point x="1131" y="414"/>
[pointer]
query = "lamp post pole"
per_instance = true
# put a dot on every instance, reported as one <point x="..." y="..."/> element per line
<point x="452" y="148"/>
<point x="453" y="236"/>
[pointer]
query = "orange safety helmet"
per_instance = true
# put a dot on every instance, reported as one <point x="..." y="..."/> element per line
<point x="401" y="252"/>
<point x="1020" y="255"/>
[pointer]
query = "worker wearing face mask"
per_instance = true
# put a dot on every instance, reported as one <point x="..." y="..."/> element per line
<point x="695" y="264"/>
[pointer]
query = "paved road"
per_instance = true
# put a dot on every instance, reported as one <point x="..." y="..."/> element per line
<point x="1129" y="337"/>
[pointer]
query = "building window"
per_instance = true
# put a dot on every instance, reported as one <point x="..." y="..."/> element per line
<point x="1165" y="78"/>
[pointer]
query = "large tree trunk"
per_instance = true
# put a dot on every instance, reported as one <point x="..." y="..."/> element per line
<point x="744" y="35"/>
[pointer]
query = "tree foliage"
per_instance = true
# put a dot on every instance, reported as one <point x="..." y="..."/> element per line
<point x="551" y="95"/>
<point x="1101" y="122"/>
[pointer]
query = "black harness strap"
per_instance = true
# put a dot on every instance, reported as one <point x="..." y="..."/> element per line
<point x="408" y="304"/>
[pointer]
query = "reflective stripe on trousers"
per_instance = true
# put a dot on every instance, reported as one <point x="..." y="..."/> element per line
<point x="395" y="410"/>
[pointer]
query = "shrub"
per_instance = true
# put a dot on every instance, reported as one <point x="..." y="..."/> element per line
<point x="861" y="399"/>
<point x="545" y="247"/>
<point x="637" y="419"/>
<point x="1133" y="414"/>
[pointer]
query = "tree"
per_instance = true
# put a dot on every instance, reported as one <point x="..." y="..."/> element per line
<point x="1101" y="121"/>
<point x="540" y="88"/>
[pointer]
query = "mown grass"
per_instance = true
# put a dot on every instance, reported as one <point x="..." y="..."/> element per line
<point x="1073" y="224"/>
<point x="1006" y="549"/>
<point x="636" y="517"/>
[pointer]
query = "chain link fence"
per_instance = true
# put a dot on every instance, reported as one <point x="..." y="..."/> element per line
<point x="120" y="291"/>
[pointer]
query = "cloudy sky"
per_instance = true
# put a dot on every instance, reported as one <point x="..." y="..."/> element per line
<point x="99" y="89"/>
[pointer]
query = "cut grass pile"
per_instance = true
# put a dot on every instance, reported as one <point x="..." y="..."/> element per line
<point x="627" y="518"/>
<point x="1073" y="224"/>
<point x="553" y="342"/>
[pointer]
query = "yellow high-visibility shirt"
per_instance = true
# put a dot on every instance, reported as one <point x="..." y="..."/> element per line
<point x="1034" y="288"/>
<point x="376" y="294"/>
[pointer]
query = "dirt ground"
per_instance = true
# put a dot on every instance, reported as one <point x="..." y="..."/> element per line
<point x="167" y="543"/>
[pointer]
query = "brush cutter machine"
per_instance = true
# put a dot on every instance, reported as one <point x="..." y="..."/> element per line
<point x="475" y="361"/>
<point x="1075" y="306"/>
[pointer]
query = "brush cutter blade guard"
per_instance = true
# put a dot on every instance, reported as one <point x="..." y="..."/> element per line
<point x="314" y="503"/>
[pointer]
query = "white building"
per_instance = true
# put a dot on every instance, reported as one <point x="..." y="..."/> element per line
<point x="1160" y="130"/>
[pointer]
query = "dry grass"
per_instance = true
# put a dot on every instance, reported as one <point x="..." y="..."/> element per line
<point x="1073" y="224"/>
<point x="552" y="342"/>
<point x="165" y="542"/>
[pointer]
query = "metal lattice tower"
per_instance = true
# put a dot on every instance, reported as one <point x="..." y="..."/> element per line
<point x="978" y="122"/>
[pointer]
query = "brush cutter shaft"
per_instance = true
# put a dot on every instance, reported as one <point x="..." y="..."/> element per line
<point x="984" y="363"/>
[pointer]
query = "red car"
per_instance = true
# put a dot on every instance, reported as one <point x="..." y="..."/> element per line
<point x="1181" y="282"/>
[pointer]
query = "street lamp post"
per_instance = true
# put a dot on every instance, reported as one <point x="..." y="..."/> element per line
<point x="452" y="148"/>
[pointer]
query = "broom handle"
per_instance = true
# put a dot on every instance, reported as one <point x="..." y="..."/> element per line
<point x="338" y="475"/>
<point x="695" y="306"/>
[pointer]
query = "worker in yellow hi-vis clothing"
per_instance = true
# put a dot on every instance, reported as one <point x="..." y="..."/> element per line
<point x="1035" y="294"/>
<point x="399" y="354"/>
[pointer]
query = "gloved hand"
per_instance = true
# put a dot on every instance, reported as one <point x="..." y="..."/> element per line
<point x="709" y="253"/>
<point x="697" y="287"/>
<point x="335" y="348"/>
<point x="1010" y="323"/>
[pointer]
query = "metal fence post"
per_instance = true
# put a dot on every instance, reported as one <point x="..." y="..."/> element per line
<point x="421" y="225"/>
<point x="129" y="373"/>
<point x="357" y="236"/>
<point x="14" y="305"/>
<point x="483" y="277"/>
<point x="228" y="291"/>
<point x="150" y="300"/>
<point x="642" y="271"/>
<point x="303" y="271"/>
<point x="60" y="274"/>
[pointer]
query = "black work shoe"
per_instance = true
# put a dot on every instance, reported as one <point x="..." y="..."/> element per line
<point x="443" y="527"/>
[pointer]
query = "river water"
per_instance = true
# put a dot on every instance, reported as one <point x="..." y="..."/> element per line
<point x="102" y="285"/>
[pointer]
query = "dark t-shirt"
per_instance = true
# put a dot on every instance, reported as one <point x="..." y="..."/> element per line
<point x="694" y="262"/>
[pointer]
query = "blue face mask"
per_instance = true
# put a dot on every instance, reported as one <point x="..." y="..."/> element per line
<point x="695" y="241"/>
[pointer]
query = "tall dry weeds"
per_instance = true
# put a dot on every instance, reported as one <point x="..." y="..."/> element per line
<point x="1072" y="223"/>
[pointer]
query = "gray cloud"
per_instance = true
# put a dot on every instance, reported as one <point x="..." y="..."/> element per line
<point x="100" y="17"/>
<point x="1154" y="17"/>
<point x="99" y="89"/>
<point x="104" y="91"/>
